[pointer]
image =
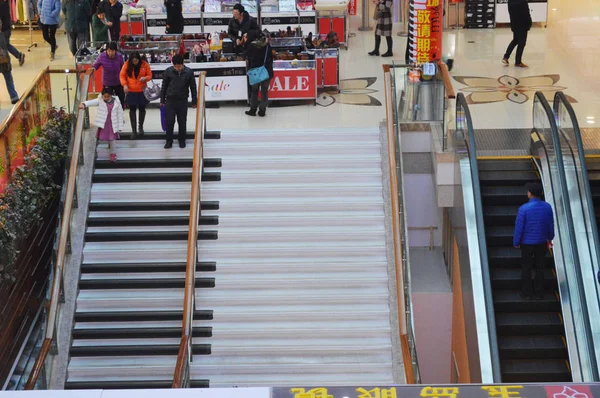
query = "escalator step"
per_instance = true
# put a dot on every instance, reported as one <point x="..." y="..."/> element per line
<point x="512" y="165"/>
<point x="529" y="324"/>
<point x="128" y="385"/>
<point x="532" y="347"/>
<point x="204" y="266"/>
<point x="503" y="195"/>
<point x="511" y="301"/>
<point x="535" y="371"/>
<point x="509" y="278"/>
<point x="500" y="215"/>
<point x="139" y="316"/>
<point x="155" y="283"/>
<point x="502" y="178"/>
<point x="138" y="333"/>
<point x="135" y="350"/>
<point x="509" y="257"/>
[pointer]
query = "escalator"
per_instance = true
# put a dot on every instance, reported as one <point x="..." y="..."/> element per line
<point x="530" y="333"/>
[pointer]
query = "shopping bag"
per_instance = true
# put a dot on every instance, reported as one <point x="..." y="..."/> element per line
<point x="152" y="91"/>
<point x="163" y="119"/>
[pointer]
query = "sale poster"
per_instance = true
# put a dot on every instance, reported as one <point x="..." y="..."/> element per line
<point x="425" y="31"/>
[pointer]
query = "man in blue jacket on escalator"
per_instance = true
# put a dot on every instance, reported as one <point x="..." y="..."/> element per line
<point x="534" y="231"/>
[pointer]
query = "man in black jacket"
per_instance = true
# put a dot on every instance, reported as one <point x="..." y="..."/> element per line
<point x="178" y="80"/>
<point x="7" y="30"/>
<point x="114" y="9"/>
<point x="240" y="24"/>
<point x="520" y="23"/>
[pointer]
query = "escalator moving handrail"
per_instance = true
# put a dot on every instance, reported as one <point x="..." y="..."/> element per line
<point x="63" y="239"/>
<point x="181" y="374"/>
<point x="540" y="97"/>
<point x="461" y="102"/>
<point x="561" y="99"/>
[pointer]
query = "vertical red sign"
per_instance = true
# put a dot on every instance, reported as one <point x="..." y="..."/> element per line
<point x="426" y="19"/>
<point x="352" y="7"/>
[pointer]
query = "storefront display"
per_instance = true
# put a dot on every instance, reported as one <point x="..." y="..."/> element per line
<point x="480" y="14"/>
<point x="332" y="16"/>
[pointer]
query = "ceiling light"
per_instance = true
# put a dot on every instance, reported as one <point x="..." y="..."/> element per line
<point x="590" y="117"/>
<point x="591" y="121"/>
<point x="554" y="9"/>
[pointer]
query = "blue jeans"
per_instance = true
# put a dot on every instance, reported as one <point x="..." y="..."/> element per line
<point x="11" y="49"/>
<point x="10" y="86"/>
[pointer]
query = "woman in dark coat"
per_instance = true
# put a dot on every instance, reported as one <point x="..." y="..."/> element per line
<point x="174" y="17"/>
<point x="383" y="13"/>
<point x="258" y="52"/>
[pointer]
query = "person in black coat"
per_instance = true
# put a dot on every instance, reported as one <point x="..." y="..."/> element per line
<point x="520" y="23"/>
<point x="114" y="10"/>
<point x="258" y="52"/>
<point x="240" y="24"/>
<point x="174" y="16"/>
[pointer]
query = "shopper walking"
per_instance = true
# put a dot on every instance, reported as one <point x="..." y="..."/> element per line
<point x="7" y="30"/>
<point x="178" y="81"/>
<point x="134" y="76"/>
<point x="49" y="19"/>
<point x="534" y="231"/>
<point x="258" y="53"/>
<point x="100" y="26"/>
<point x="76" y="22"/>
<point x="383" y="15"/>
<point x="6" y="68"/>
<point x="520" y="23"/>
<point x="240" y="24"/>
<point x="109" y="119"/>
<point x="114" y="11"/>
<point x="111" y="63"/>
<point x="174" y="17"/>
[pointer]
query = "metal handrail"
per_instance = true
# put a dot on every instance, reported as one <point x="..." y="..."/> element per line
<point x="63" y="241"/>
<point x="181" y="377"/>
<point x="471" y="148"/>
<point x="400" y="236"/>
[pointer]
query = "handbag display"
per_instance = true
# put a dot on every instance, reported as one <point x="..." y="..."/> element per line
<point x="260" y="74"/>
<point x="152" y="91"/>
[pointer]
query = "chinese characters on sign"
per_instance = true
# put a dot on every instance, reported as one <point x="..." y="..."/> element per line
<point x="462" y="391"/>
<point x="425" y="37"/>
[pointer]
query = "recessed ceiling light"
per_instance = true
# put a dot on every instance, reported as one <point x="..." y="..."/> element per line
<point x="554" y="9"/>
<point x="590" y="117"/>
<point x="591" y="121"/>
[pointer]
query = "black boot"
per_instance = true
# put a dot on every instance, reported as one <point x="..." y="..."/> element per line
<point x="133" y="121"/>
<point x="377" y="43"/>
<point x="389" y="52"/>
<point x="141" y="122"/>
<point x="251" y="112"/>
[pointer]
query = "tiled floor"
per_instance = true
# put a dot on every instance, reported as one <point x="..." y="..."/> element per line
<point x="568" y="47"/>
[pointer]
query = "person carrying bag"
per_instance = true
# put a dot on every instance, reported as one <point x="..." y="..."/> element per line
<point x="260" y="63"/>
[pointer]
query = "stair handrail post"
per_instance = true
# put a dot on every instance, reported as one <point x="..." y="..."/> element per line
<point x="63" y="243"/>
<point x="181" y="377"/>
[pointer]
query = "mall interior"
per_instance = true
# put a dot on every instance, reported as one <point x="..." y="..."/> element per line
<point x="355" y="242"/>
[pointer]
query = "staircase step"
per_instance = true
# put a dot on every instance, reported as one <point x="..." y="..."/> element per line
<point x="128" y="384"/>
<point x="153" y="220"/>
<point x="137" y="350"/>
<point x="146" y="236"/>
<point x="158" y="163"/>
<point x="150" y="206"/>
<point x="100" y="268"/>
<point x="142" y="283"/>
<point x="115" y="176"/>
<point x="137" y="333"/>
<point x="138" y="316"/>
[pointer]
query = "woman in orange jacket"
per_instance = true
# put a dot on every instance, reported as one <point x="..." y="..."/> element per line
<point x="134" y="76"/>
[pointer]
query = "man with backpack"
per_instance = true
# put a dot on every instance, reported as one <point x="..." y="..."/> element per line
<point x="6" y="69"/>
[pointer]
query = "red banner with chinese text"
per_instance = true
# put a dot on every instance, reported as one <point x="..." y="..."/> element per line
<point x="352" y="7"/>
<point x="425" y="37"/>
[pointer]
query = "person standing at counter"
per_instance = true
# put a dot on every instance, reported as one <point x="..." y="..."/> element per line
<point x="258" y="53"/>
<point x="174" y="17"/>
<point x="111" y="63"/>
<point x="134" y="76"/>
<point x="240" y="24"/>
<point x="178" y="81"/>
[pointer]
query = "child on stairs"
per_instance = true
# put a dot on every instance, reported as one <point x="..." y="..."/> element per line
<point x="109" y="118"/>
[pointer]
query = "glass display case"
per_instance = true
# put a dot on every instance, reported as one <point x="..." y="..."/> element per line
<point x="292" y="44"/>
<point x="294" y="80"/>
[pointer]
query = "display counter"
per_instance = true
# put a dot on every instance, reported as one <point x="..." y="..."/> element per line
<point x="294" y="80"/>
<point x="328" y="67"/>
<point x="332" y="16"/>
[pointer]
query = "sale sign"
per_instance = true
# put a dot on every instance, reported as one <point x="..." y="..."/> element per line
<point x="425" y="31"/>
<point x="293" y="84"/>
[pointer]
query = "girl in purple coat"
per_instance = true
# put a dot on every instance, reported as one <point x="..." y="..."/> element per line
<point x="109" y="118"/>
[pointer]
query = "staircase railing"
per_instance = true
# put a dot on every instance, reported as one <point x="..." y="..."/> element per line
<point x="400" y="235"/>
<point x="466" y="150"/>
<point x="181" y="378"/>
<point x="64" y="241"/>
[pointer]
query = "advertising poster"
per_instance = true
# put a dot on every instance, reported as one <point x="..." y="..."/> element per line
<point x="425" y="31"/>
